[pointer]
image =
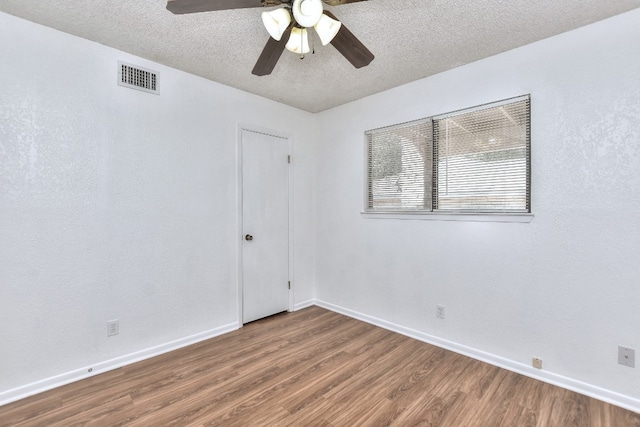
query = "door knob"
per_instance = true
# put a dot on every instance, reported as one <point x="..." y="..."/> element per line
<point x="248" y="237"/>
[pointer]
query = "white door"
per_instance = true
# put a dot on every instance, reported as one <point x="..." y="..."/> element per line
<point x="265" y="225"/>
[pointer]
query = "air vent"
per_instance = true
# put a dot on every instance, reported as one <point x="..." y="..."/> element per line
<point x="137" y="78"/>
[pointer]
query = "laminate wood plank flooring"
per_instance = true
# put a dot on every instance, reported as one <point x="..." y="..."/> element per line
<point x="312" y="368"/>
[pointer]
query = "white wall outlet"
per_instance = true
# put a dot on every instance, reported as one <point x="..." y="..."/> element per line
<point x="537" y="363"/>
<point x="627" y="356"/>
<point x="113" y="327"/>
<point x="440" y="311"/>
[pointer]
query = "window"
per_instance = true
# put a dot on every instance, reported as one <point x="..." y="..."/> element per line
<point x="471" y="161"/>
<point x="400" y="165"/>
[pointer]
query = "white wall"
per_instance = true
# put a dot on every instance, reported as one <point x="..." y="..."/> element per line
<point x="565" y="287"/>
<point x="119" y="204"/>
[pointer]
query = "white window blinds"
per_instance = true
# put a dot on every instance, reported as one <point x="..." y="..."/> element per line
<point x="400" y="162"/>
<point x="474" y="160"/>
<point x="483" y="159"/>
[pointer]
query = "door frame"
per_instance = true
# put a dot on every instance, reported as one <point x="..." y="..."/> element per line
<point x="239" y="219"/>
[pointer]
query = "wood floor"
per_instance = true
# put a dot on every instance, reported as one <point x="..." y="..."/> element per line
<point x="312" y="368"/>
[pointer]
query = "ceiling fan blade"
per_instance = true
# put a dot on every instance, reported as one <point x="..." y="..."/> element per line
<point x="350" y="47"/>
<point x="339" y="2"/>
<point x="270" y="54"/>
<point x="194" y="6"/>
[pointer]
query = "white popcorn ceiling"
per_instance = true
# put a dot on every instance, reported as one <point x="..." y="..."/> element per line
<point x="410" y="39"/>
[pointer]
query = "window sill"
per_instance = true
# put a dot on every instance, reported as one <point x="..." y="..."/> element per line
<point x="437" y="216"/>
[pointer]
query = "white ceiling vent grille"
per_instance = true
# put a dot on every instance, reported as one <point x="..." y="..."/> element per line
<point x="138" y="78"/>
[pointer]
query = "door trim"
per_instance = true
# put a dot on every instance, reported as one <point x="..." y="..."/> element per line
<point x="239" y="225"/>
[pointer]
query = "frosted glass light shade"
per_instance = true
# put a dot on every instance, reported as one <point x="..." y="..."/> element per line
<point x="307" y="13"/>
<point x="276" y="22"/>
<point x="327" y="28"/>
<point x="298" y="41"/>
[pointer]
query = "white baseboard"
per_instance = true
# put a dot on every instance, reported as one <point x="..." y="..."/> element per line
<point x="599" y="393"/>
<point x="108" y="365"/>
<point x="304" y="304"/>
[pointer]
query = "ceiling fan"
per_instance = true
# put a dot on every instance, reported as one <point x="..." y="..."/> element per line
<point x="288" y="27"/>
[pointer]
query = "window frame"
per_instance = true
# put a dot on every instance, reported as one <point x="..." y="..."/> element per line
<point x="453" y="215"/>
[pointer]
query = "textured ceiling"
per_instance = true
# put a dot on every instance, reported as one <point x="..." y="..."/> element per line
<point x="411" y="39"/>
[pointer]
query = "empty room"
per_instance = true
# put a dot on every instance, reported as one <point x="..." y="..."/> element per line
<point x="319" y="213"/>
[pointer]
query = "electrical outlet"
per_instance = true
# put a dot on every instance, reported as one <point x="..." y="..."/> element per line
<point x="537" y="363"/>
<point x="113" y="327"/>
<point x="627" y="356"/>
<point x="440" y="311"/>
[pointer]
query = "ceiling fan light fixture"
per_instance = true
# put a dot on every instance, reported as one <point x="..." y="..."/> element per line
<point x="298" y="41"/>
<point x="276" y="22"/>
<point x="327" y="28"/>
<point x="307" y="13"/>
